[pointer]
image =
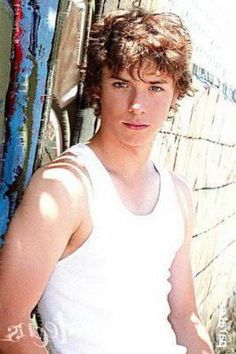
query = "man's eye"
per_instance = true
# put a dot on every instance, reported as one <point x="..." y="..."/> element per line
<point x="119" y="84"/>
<point x="156" y="88"/>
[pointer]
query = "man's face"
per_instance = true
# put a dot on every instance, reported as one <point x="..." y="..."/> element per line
<point x="133" y="110"/>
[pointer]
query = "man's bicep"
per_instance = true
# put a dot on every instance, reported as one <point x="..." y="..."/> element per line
<point x="182" y="296"/>
<point x="36" y="238"/>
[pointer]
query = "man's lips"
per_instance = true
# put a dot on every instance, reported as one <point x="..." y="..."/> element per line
<point x="135" y="126"/>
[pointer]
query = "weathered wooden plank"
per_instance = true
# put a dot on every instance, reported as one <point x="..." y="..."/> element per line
<point x="6" y="25"/>
<point x="109" y="6"/>
<point x="47" y="114"/>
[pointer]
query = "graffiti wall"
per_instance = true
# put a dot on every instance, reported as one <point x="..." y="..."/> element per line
<point x="32" y="111"/>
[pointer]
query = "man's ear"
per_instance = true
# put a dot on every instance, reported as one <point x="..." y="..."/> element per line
<point x="174" y="105"/>
<point x="97" y="93"/>
<point x="175" y="98"/>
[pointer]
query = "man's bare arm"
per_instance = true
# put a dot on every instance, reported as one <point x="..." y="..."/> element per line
<point x="49" y="214"/>
<point x="184" y="316"/>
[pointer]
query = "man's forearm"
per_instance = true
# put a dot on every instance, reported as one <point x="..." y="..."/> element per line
<point x="191" y="333"/>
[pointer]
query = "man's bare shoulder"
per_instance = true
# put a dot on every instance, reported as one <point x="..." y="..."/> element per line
<point x="181" y="183"/>
<point x="58" y="187"/>
<point x="184" y="195"/>
<point x="66" y="169"/>
<point x="66" y="173"/>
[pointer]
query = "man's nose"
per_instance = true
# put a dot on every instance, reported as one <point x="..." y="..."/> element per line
<point x="137" y="103"/>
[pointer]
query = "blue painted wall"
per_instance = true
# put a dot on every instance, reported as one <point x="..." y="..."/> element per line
<point x="34" y="29"/>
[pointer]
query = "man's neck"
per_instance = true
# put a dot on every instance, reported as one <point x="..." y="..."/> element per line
<point x="121" y="160"/>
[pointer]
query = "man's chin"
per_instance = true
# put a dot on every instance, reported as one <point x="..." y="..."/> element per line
<point x="137" y="142"/>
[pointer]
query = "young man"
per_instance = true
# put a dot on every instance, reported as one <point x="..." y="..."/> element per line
<point x="102" y="236"/>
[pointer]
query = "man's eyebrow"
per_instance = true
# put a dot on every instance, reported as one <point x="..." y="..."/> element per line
<point x="116" y="77"/>
<point x="156" y="82"/>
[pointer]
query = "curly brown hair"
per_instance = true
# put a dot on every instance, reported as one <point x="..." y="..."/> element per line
<point x="127" y="39"/>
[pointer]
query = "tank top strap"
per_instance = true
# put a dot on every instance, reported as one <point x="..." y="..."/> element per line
<point x="102" y="189"/>
<point x="93" y="166"/>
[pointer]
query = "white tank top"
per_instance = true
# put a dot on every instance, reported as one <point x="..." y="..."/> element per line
<point x="110" y="295"/>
